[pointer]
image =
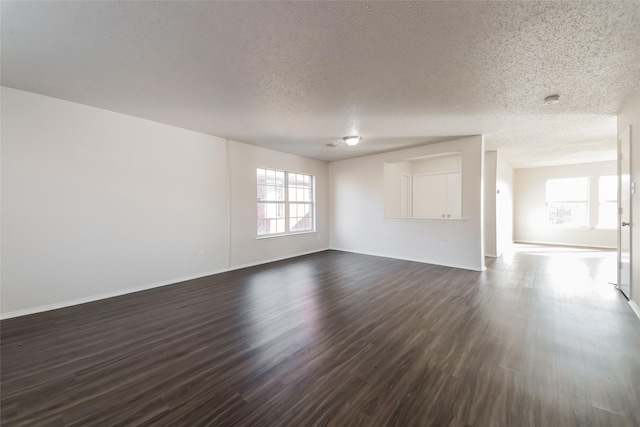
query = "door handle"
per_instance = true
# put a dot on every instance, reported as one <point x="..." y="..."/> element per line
<point x="625" y="224"/>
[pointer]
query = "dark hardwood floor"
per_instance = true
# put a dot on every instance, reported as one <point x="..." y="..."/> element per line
<point x="334" y="338"/>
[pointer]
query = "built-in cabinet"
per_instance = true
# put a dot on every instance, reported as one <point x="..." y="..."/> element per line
<point x="424" y="188"/>
<point x="437" y="195"/>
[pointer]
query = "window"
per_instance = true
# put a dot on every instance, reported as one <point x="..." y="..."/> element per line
<point x="285" y="202"/>
<point x="567" y="201"/>
<point x="608" y="201"/>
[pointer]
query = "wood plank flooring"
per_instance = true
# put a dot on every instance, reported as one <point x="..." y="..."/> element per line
<point x="341" y="339"/>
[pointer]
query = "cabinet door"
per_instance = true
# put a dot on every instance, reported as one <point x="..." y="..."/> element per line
<point x="429" y="196"/>
<point x="454" y="195"/>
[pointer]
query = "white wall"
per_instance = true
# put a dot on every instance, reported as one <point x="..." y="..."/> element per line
<point x="629" y="115"/>
<point x="245" y="248"/>
<point x="530" y="221"/>
<point x="490" y="165"/>
<point x="504" y="205"/>
<point x="437" y="164"/>
<point x="393" y="186"/>
<point x="357" y="203"/>
<point x="498" y="204"/>
<point x="97" y="204"/>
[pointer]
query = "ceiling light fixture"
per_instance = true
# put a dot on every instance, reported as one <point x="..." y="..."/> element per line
<point x="552" y="99"/>
<point x="352" y="140"/>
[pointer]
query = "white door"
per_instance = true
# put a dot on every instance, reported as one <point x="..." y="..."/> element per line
<point x="430" y="196"/>
<point x="405" y="196"/>
<point x="454" y="195"/>
<point x="624" y="212"/>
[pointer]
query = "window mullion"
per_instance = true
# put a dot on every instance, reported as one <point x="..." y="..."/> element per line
<point x="286" y="203"/>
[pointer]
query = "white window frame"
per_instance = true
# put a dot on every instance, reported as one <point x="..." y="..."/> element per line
<point x="584" y="202"/>
<point x="288" y="204"/>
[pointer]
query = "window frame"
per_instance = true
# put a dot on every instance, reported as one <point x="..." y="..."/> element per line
<point x="586" y="203"/>
<point x="288" y="203"/>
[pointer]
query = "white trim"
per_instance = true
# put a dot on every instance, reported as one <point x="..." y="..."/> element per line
<point x="535" y="242"/>
<point x="463" y="267"/>
<point x="443" y="172"/>
<point x="267" y="261"/>
<point x="273" y="236"/>
<point x="97" y="297"/>
<point x="635" y="307"/>
<point x="105" y="295"/>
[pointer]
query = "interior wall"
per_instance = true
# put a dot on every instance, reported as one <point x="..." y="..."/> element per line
<point x="437" y="164"/>
<point x="530" y="221"/>
<point x="357" y="203"/>
<point x="246" y="249"/>
<point x="392" y="185"/>
<point x="490" y="165"/>
<point x="629" y="115"/>
<point x="97" y="203"/>
<point x="504" y="204"/>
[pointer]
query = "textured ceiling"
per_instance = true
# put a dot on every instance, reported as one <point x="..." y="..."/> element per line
<point x="297" y="76"/>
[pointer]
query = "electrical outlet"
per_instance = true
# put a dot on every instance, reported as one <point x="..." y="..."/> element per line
<point x="201" y="253"/>
<point x="443" y="245"/>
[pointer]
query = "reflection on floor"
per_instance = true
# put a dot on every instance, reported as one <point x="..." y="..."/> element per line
<point x="562" y="265"/>
<point x="337" y="338"/>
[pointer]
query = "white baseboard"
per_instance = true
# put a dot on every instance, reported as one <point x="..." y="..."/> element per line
<point x="460" y="266"/>
<point x="105" y="295"/>
<point x="635" y="307"/>
<point x="571" y="245"/>
<point x="267" y="261"/>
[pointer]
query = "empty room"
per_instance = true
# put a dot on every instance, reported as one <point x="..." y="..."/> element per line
<point x="319" y="213"/>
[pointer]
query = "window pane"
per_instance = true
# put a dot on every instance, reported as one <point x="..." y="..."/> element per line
<point x="301" y="218"/>
<point x="271" y="177"/>
<point x="274" y="216"/>
<point x="608" y="188"/>
<point x="272" y="211"/>
<point x="263" y="227"/>
<point x="262" y="192"/>
<point x="262" y="177"/>
<point x="572" y="214"/>
<point x="567" y="190"/>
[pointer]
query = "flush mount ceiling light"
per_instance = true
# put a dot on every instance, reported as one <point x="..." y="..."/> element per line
<point x="352" y="140"/>
<point x="552" y="99"/>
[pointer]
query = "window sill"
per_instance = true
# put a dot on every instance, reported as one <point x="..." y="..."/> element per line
<point x="273" y="236"/>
